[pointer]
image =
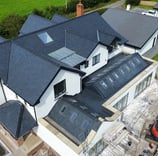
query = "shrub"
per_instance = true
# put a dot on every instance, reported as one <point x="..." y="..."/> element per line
<point x="10" y="25"/>
<point x="133" y="2"/>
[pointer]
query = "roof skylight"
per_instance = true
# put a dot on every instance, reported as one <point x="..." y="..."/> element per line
<point x="45" y="37"/>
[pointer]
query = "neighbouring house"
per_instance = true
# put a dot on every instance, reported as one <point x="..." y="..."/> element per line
<point x="73" y="78"/>
<point x="140" y="30"/>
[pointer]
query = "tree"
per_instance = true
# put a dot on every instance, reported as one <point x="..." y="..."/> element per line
<point x="133" y="2"/>
<point x="10" y="26"/>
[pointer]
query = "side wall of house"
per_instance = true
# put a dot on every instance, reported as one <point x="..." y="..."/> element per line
<point x="2" y="94"/>
<point x="148" y="45"/>
<point x="48" y="100"/>
<point x="103" y="51"/>
<point x="53" y="141"/>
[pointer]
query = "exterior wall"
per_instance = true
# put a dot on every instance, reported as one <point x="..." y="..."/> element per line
<point x="47" y="101"/>
<point x="148" y="45"/>
<point x="128" y="49"/>
<point x="102" y="50"/>
<point x="10" y="95"/>
<point x="115" y="52"/>
<point x="2" y="96"/>
<point x="55" y="143"/>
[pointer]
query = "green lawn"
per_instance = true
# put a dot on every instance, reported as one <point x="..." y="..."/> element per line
<point x="155" y="58"/>
<point x="24" y="7"/>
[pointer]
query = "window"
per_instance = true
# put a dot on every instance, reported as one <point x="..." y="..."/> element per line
<point x="45" y="38"/>
<point x="63" y="110"/>
<point x="142" y="85"/>
<point x="85" y="124"/>
<point x="96" y="59"/>
<point x="98" y="148"/>
<point x="122" y="103"/>
<point x="86" y="64"/>
<point x="60" y="88"/>
<point x="73" y="116"/>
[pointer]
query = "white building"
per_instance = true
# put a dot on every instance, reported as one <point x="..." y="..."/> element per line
<point x="74" y="79"/>
<point x="141" y="31"/>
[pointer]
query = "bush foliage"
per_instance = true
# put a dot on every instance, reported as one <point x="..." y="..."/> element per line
<point x="133" y="2"/>
<point x="10" y="25"/>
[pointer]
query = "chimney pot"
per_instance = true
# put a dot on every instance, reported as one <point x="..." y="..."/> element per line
<point x="79" y="9"/>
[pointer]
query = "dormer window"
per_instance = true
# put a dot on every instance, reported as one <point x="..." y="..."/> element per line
<point x="60" y="88"/>
<point x="45" y="37"/>
<point x="96" y="59"/>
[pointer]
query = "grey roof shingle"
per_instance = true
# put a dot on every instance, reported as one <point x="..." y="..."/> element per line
<point x="28" y="74"/>
<point x="97" y="88"/>
<point x="70" y="117"/>
<point x="58" y="19"/>
<point x="34" y="23"/>
<point x="28" y="69"/>
<point x="117" y="73"/>
<point x="129" y="25"/>
<point x="16" y="118"/>
<point x="2" y="39"/>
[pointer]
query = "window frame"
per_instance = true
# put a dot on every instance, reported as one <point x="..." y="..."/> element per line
<point x="95" y="59"/>
<point x="57" y="88"/>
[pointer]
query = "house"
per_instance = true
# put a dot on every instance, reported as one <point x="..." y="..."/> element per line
<point x="141" y="31"/>
<point x="73" y="78"/>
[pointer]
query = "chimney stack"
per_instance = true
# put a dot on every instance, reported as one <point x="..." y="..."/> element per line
<point x="79" y="9"/>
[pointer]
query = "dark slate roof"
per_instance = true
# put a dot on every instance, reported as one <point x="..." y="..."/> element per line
<point x="58" y="19"/>
<point x="34" y="23"/>
<point x="26" y="56"/>
<point x="16" y="119"/>
<point x="73" y="120"/>
<point x="79" y="30"/>
<point x="4" y="60"/>
<point x="156" y="6"/>
<point x="135" y="27"/>
<point x="117" y="73"/>
<point x="86" y="106"/>
<point x="2" y="39"/>
<point x="28" y="74"/>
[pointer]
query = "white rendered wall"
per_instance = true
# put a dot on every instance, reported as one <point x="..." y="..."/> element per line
<point x="131" y="91"/>
<point x="47" y="101"/>
<point x="115" y="52"/>
<point x="128" y="49"/>
<point x="2" y="96"/>
<point x="149" y="44"/>
<point x="102" y="50"/>
<point x="10" y="95"/>
<point x="53" y="141"/>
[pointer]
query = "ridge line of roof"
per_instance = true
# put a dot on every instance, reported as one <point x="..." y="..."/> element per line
<point x="54" y="25"/>
<point x="19" y="119"/>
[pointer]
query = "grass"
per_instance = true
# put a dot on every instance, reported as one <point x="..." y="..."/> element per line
<point x="155" y="58"/>
<point x="25" y="7"/>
